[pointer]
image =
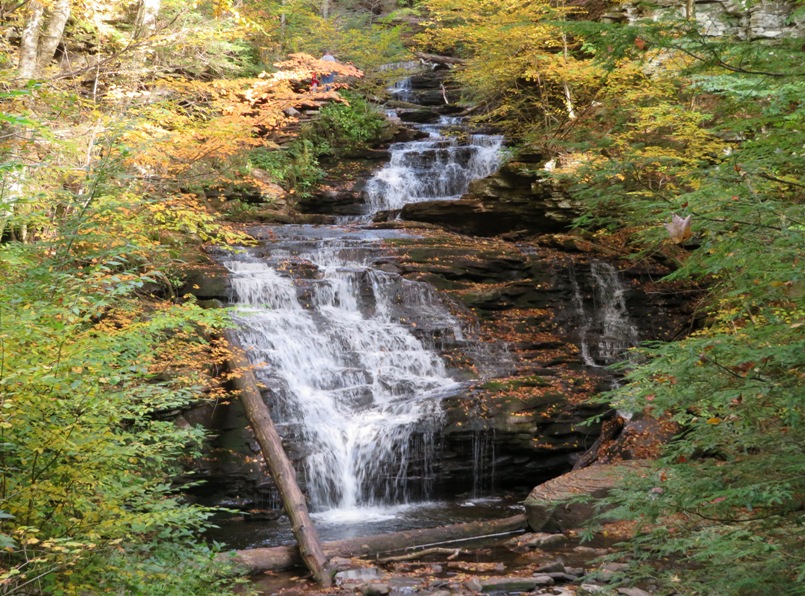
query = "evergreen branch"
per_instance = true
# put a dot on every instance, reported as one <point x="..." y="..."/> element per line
<point x="718" y="61"/>
<point x="698" y="215"/>
<point x="730" y="520"/>
<point x="738" y="222"/>
<point x="705" y="358"/>
<point x="780" y="180"/>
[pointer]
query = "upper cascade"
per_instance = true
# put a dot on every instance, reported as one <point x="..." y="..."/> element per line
<point x="439" y="167"/>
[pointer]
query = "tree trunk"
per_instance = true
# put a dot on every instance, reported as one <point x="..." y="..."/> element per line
<point x="325" y="9"/>
<point x="257" y="560"/>
<point x="50" y="38"/>
<point x="571" y="111"/>
<point x="280" y="466"/>
<point x="144" y="27"/>
<point x="146" y="22"/>
<point x="30" y="41"/>
<point x="609" y="429"/>
<point x="690" y="9"/>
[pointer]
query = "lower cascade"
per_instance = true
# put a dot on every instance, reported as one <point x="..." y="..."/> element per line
<point x="344" y="373"/>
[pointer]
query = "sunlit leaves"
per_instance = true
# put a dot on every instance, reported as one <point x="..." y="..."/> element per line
<point x="522" y="69"/>
<point x="86" y="375"/>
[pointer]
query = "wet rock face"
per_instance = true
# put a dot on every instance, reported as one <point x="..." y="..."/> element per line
<point x="516" y="198"/>
<point x="234" y="474"/>
<point x="525" y="417"/>
<point x="432" y="88"/>
<point x="528" y="421"/>
<point x="528" y="295"/>
<point x="208" y="282"/>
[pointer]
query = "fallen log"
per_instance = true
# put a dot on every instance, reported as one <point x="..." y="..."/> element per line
<point x="257" y="560"/>
<point x="449" y="60"/>
<point x="451" y="553"/>
<point x="282" y="471"/>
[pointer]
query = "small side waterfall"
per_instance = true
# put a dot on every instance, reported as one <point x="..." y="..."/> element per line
<point x="345" y="374"/>
<point x="483" y="463"/>
<point x="605" y="332"/>
<point x="439" y="167"/>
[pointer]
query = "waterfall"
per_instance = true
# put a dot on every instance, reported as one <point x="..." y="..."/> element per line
<point x="349" y="353"/>
<point x="439" y="167"/>
<point x="605" y="330"/>
<point x="346" y="376"/>
<point x="403" y="90"/>
<point x="483" y="473"/>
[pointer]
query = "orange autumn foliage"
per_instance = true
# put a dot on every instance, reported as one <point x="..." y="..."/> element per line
<point x="203" y="140"/>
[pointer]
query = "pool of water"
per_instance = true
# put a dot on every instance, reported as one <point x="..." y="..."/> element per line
<point x="338" y="524"/>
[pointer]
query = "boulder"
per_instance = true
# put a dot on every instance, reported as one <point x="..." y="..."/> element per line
<point x="541" y="540"/>
<point x="547" y="507"/>
<point x="552" y="567"/>
<point x="360" y="574"/>
<point x="418" y="116"/>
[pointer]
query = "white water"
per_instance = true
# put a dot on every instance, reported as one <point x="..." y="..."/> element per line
<point x="349" y="353"/>
<point x="402" y="90"/>
<point x="606" y="331"/>
<point x="437" y="168"/>
<point x="345" y="374"/>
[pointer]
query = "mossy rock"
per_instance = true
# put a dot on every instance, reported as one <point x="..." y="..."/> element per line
<point x="528" y="381"/>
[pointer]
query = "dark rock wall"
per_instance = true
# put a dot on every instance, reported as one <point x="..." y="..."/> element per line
<point x="515" y="199"/>
<point x="533" y="411"/>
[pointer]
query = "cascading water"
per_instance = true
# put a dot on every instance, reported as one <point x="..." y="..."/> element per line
<point x="346" y="375"/>
<point x="403" y="90"/>
<point x="606" y="332"/>
<point x="437" y="168"/>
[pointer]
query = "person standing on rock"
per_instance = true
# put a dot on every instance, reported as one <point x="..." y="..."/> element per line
<point x="328" y="78"/>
